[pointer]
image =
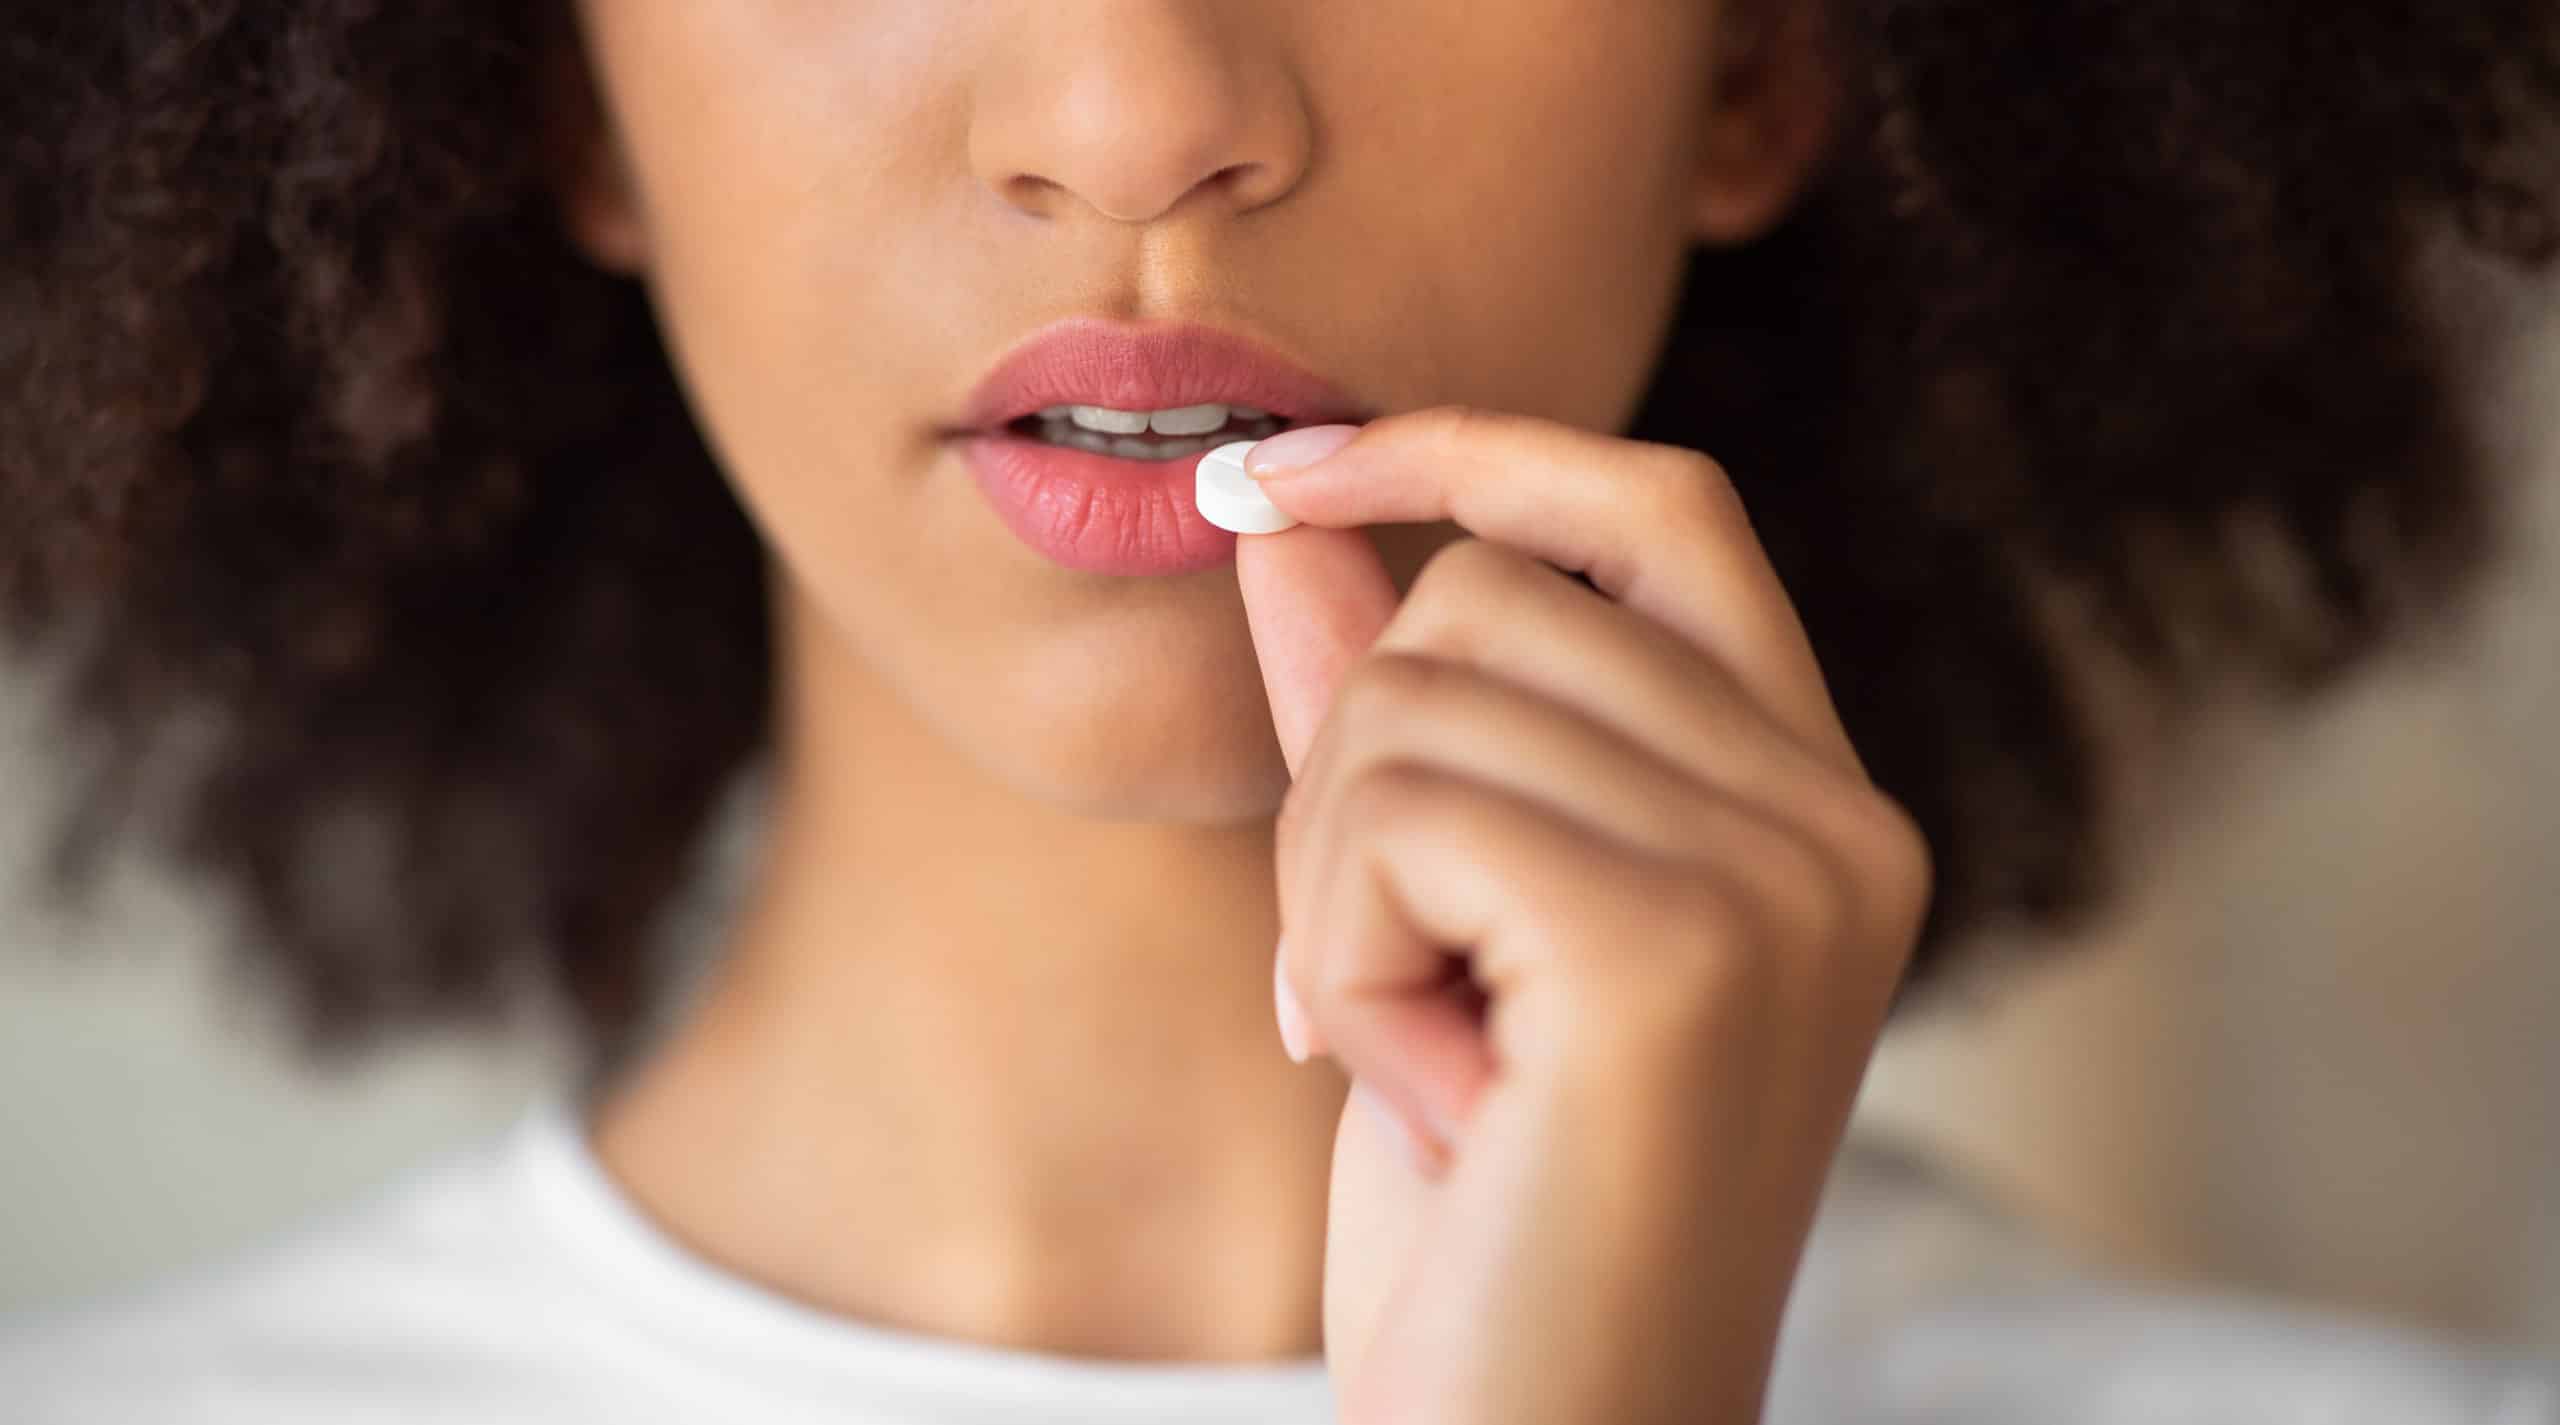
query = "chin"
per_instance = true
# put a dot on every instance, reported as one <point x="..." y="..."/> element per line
<point x="1142" y="766"/>
<point x="1156" y="718"/>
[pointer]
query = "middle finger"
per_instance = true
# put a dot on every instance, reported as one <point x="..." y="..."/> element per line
<point x="1524" y="621"/>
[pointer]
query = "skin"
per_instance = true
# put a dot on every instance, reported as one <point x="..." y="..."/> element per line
<point x="1016" y="909"/>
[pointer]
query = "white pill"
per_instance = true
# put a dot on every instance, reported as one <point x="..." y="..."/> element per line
<point x="1231" y="499"/>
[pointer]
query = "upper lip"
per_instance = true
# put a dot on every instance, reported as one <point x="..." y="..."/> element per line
<point x="1090" y="361"/>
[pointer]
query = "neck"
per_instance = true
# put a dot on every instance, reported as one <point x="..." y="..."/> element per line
<point x="973" y="1067"/>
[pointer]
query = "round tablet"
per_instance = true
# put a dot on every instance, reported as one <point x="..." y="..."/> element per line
<point x="1231" y="499"/>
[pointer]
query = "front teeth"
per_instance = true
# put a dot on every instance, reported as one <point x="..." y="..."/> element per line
<point x="1057" y="428"/>
<point x="1179" y="421"/>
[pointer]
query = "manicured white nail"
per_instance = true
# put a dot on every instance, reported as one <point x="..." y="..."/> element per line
<point x="1294" y="450"/>
<point x="1292" y="1015"/>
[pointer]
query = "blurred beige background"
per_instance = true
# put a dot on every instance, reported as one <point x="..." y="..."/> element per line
<point x="2316" y="1056"/>
<point x="2313" y="1056"/>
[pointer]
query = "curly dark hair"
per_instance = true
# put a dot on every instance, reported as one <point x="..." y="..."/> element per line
<point x="2105" y="303"/>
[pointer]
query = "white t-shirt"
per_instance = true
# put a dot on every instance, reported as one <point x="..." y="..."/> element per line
<point x="511" y="1281"/>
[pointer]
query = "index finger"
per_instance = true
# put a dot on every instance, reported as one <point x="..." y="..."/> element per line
<point x="1656" y="527"/>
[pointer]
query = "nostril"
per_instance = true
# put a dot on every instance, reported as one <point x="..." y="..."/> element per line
<point x="1029" y="193"/>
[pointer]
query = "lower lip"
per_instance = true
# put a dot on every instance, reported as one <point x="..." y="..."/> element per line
<point x="1097" y="513"/>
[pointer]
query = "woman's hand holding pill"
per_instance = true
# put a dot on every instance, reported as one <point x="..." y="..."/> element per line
<point x="1586" y="885"/>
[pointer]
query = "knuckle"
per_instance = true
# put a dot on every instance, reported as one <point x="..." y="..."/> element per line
<point x="1372" y="801"/>
<point x="1391" y="687"/>
<point x="1334" y="824"/>
<point x="1467" y="585"/>
<point x="1385" y="791"/>
<point x="1449" y="591"/>
<point x="1808" y="892"/>
<point x="1716" y="911"/>
<point x="1884" y="857"/>
<point x="1706" y="962"/>
<point x="1755" y="919"/>
<point x="1361" y="768"/>
<point x="1461" y="565"/>
<point x="1683" y="945"/>
<point x="1897" y="857"/>
<point x="1688" y="491"/>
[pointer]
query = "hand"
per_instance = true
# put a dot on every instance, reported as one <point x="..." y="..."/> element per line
<point x="1586" y="886"/>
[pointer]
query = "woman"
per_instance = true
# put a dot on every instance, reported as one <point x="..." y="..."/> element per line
<point x="1734" y="446"/>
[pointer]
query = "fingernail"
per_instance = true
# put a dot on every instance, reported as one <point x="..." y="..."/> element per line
<point x="1419" y="1150"/>
<point x="1292" y="1015"/>
<point x="1296" y="449"/>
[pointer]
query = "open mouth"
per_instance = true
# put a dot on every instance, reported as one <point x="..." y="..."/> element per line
<point x="1147" y="435"/>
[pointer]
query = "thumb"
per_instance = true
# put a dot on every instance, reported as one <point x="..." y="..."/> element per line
<point x="1315" y="599"/>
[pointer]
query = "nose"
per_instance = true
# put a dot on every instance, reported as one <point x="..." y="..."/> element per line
<point x="1130" y="108"/>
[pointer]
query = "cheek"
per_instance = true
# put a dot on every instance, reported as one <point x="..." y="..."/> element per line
<point x="747" y="127"/>
<point x="827" y="277"/>
<point x="1527" y="182"/>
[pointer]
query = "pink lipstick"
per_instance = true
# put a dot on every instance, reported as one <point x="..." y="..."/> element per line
<point x="1085" y="437"/>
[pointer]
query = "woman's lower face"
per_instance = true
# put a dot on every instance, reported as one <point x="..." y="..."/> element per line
<point x="848" y="213"/>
